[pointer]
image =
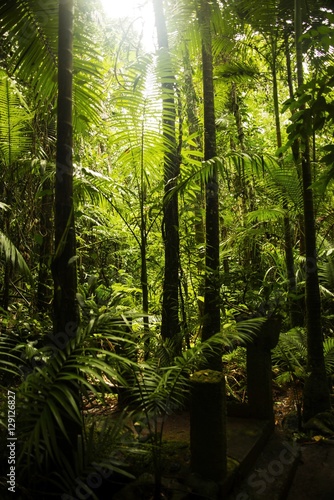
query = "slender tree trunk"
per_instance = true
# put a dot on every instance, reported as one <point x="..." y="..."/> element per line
<point x="8" y="265"/>
<point x="170" y="326"/>
<point x="295" y="144"/>
<point x="211" y="324"/>
<point x="208" y="436"/>
<point x="143" y="253"/>
<point x="66" y="317"/>
<point x="66" y="314"/>
<point x="238" y="119"/>
<point x="8" y="197"/>
<point x="288" y="246"/>
<point x="195" y="128"/>
<point x="316" y="397"/>
<point x="44" y="288"/>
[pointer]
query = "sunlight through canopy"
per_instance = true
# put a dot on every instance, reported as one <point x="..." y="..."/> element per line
<point x="141" y="11"/>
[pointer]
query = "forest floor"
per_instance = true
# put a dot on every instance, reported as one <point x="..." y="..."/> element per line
<point x="314" y="475"/>
<point x="314" y="478"/>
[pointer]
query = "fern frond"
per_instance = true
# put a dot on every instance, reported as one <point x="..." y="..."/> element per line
<point x="15" y="122"/>
<point x="48" y="393"/>
<point x="13" y="255"/>
<point x="329" y="355"/>
<point x="265" y="215"/>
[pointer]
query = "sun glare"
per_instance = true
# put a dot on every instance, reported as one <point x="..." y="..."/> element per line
<point x="139" y="10"/>
<point x="120" y="8"/>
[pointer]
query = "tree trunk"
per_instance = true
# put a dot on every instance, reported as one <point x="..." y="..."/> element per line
<point x="44" y="288"/>
<point x="143" y="258"/>
<point x="288" y="246"/>
<point x="211" y="324"/>
<point x="170" y="326"/>
<point x="66" y="316"/>
<point x="295" y="144"/>
<point x="316" y="397"/>
<point x="195" y="128"/>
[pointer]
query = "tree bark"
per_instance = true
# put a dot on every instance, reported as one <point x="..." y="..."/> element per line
<point x="211" y="320"/>
<point x="143" y="258"/>
<point x="195" y="128"/>
<point x="170" y="326"/>
<point x="66" y="315"/>
<point x="316" y="397"/>
<point x="288" y="246"/>
<point x="44" y="287"/>
<point x="295" y="144"/>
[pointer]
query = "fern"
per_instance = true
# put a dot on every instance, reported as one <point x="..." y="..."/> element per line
<point x="15" y="122"/>
<point x="290" y="355"/>
<point x="10" y="359"/>
<point x="329" y="355"/>
<point x="13" y="255"/>
<point x="47" y="394"/>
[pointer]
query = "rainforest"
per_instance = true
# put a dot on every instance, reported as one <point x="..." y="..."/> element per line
<point x="166" y="242"/>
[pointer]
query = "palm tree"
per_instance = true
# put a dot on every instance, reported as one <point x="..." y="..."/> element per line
<point x="64" y="261"/>
<point x="208" y="435"/>
<point x="28" y="33"/>
<point x="211" y="324"/>
<point x="268" y="19"/>
<point x="170" y="326"/>
<point x="316" y="396"/>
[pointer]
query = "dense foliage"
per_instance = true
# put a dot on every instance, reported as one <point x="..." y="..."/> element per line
<point x="142" y="180"/>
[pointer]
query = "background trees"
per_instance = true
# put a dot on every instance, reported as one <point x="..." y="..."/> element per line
<point x="139" y="168"/>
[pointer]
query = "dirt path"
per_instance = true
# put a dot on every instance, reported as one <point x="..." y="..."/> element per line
<point x="314" y="479"/>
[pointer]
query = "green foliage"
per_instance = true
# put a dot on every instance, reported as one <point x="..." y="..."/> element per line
<point x="32" y="29"/>
<point x="290" y="356"/>
<point x="47" y="400"/>
<point x="12" y="255"/>
<point x="15" y="122"/>
<point x="119" y="204"/>
<point x="235" y="374"/>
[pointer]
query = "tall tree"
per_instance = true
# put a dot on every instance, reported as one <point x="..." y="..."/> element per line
<point x="66" y="316"/>
<point x="316" y="397"/>
<point x="288" y="246"/>
<point x="170" y="326"/>
<point x="211" y="321"/>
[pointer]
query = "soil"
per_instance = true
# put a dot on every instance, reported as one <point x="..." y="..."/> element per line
<point x="314" y="477"/>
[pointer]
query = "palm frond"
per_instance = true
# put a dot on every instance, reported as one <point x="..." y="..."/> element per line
<point x="12" y="254"/>
<point x="263" y="17"/>
<point x="10" y="359"/>
<point x="236" y="71"/>
<point x="29" y="33"/>
<point x="326" y="273"/>
<point x="329" y="355"/>
<point x="48" y="393"/>
<point x="100" y="450"/>
<point x="265" y="215"/>
<point x="290" y="355"/>
<point x="30" y="30"/>
<point x="15" y="122"/>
